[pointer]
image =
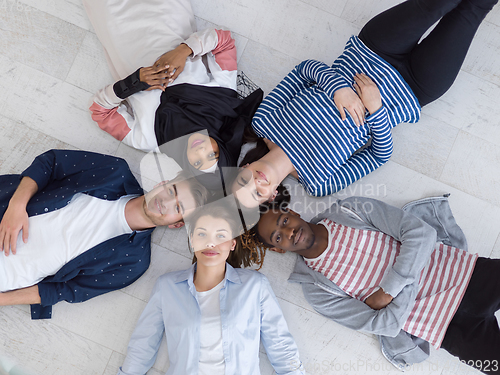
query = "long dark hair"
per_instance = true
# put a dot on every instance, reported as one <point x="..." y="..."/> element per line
<point x="254" y="154"/>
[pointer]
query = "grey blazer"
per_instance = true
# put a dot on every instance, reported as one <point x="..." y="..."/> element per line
<point x="418" y="226"/>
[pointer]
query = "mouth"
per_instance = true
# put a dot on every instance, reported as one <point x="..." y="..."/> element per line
<point x="210" y="253"/>
<point x="196" y="142"/>
<point x="298" y="236"/>
<point x="158" y="206"/>
<point x="263" y="176"/>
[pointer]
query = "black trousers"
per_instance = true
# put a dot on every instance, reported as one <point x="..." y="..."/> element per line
<point x="431" y="66"/>
<point x="473" y="334"/>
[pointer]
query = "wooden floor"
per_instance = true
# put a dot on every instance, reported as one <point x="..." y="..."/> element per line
<point x="51" y="63"/>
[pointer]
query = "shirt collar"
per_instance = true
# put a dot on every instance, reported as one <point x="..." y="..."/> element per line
<point x="188" y="275"/>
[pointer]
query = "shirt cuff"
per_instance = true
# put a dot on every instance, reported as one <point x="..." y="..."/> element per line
<point x="200" y="39"/>
<point x="378" y="118"/>
<point x="392" y="283"/>
<point x="335" y="83"/>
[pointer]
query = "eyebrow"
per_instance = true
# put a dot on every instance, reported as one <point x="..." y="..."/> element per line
<point x="177" y="199"/>
<point x="277" y="224"/>
<point x="240" y="183"/>
<point x="222" y="230"/>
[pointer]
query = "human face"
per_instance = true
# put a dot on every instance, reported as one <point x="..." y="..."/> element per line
<point x="168" y="203"/>
<point x="286" y="230"/>
<point x="202" y="151"/>
<point x="212" y="240"/>
<point x="255" y="184"/>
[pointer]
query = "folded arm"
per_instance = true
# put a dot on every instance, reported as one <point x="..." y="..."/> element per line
<point x="417" y="240"/>
<point x="363" y="162"/>
<point x="357" y="315"/>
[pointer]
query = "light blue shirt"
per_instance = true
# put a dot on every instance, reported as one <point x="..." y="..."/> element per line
<point x="249" y="312"/>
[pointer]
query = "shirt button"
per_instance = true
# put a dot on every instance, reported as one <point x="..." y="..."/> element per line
<point x="46" y="209"/>
<point x="105" y="196"/>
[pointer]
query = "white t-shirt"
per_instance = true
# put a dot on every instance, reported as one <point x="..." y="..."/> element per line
<point x="211" y="353"/>
<point x="57" y="237"/>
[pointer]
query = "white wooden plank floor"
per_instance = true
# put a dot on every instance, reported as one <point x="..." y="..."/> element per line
<point x="51" y="63"/>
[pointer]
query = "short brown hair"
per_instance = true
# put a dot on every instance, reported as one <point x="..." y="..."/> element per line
<point x="198" y="191"/>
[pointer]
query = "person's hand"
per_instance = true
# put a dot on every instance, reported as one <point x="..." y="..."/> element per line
<point x="174" y="60"/>
<point x="368" y="92"/>
<point x="378" y="300"/>
<point x="156" y="77"/>
<point x="348" y="99"/>
<point x="14" y="220"/>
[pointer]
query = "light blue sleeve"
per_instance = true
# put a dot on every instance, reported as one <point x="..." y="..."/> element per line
<point x="146" y="338"/>
<point x="276" y="338"/>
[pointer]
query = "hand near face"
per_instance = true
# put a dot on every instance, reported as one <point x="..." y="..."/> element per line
<point x="379" y="300"/>
<point x="368" y="92"/>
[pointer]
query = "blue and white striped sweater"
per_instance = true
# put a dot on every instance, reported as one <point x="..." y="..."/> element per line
<point x="299" y="115"/>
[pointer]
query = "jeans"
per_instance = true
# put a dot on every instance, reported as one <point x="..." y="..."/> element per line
<point x="473" y="334"/>
<point x="431" y="66"/>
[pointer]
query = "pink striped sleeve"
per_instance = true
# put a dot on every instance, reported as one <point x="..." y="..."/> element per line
<point x="110" y="121"/>
<point x="225" y="51"/>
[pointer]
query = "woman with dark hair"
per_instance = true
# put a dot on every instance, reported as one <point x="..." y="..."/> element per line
<point x="214" y="314"/>
<point x="393" y="74"/>
<point x="173" y="83"/>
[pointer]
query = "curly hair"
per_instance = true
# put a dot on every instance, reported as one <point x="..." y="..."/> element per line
<point x="250" y="242"/>
<point x="253" y="242"/>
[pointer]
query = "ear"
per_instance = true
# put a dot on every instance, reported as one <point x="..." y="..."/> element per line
<point x="294" y="213"/>
<point x="160" y="184"/>
<point x="177" y="225"/>
<point x="246" y="165"/>
<point x="275" y="249"/>
<point x="271" y="198"/>
<point x="233" y="245"/>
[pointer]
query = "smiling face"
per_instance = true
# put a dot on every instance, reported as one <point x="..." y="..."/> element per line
<point x="202" y="151"/>
<point x="212" y="240"/>
<point x="286" y="230"/>
<point x="255" y="184"/>
<point x="168" y="203"/>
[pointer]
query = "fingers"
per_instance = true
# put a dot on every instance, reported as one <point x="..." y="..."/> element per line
<point x="362" y="79"/>
<point x="342" y="112"/>
<point x="176" y="74"/>
<point x="13" y="243"/>
<point x="357" y="118"/>
<point x="6" y="244"/>
<point x="26" y="232"/>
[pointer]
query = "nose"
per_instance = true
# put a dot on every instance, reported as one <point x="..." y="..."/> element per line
<point x="289" y="232"/>
<point x="210" y="244"/>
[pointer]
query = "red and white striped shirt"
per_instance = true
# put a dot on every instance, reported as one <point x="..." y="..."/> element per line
<point x="357" y="260"/>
